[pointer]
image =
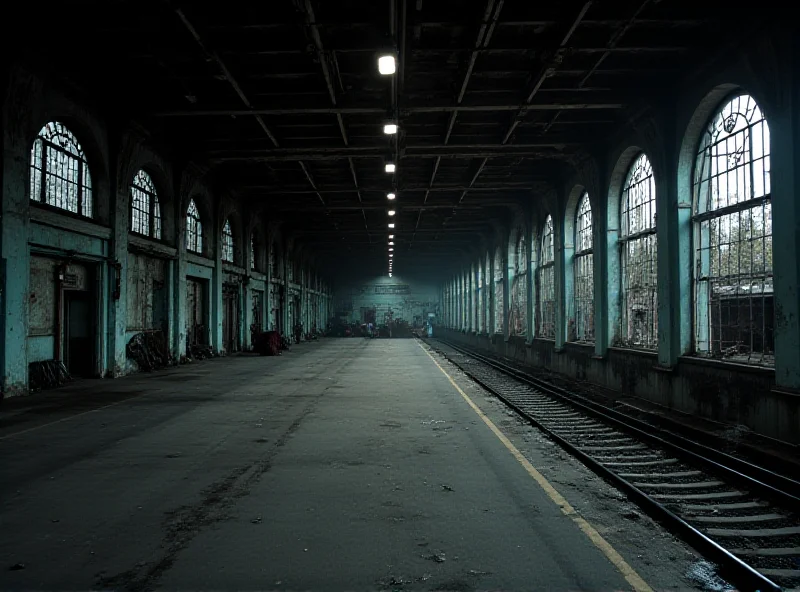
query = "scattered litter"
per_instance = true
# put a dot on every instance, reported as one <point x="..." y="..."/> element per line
<point x="395" y="581"/>
<point x="17" y="567"/>
<point x="632" y="515"/>
<point x="256" y="520"/>
<point x="305" y="550"/>
<point x="174" y="455"/>
<point x="477" y="572"/>
<point x="424" y="577"/>
<point x="54" y="520"/>
<point x="705" y="574"/>
<point x="437" y="557"/>
<point x="447" y="488"/>
<point x="432" y="421"/>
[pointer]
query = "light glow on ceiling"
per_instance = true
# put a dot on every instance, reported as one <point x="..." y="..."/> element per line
<point x="391" y="212"/>
<point x="391" y="224"/>
<point x="390" y="168"/>
<point x="390" y="129"/>
<point x="390" y="196"/>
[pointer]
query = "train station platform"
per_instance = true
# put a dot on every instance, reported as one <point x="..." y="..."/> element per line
<point x="346" y="464"/>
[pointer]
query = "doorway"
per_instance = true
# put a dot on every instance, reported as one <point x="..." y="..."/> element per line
<point x="78" y="333"/>
<point x="230" y="317"/>
<point x="196" y="331"/>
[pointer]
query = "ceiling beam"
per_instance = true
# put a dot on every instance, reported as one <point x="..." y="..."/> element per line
<point x="550" y="106"/>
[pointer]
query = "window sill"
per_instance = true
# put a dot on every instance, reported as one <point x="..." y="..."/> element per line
<point x="150" y="246"/>
<point x="730" y="366"/>
<point x="199" y="260"/>
<point x="645" y="353"/>
<point x="232" y="268"/>
<point x="64" y="220"/>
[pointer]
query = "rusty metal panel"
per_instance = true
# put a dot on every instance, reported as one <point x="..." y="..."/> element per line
<point x="42" y="296"/>
<point x="146" y="293"/>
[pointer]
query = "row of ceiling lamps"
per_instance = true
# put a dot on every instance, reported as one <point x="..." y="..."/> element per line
<point x="388" y="66"/>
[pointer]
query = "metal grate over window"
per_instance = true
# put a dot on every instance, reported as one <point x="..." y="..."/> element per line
<point x="499" y="278"/>
<point x="638" y="256"/>
<point x="582" y="329"/>
<point x="734" y="306"/>
<point x="546" y="311"/>
<point x="59" y="171"/>
<point x="194" y="229"/>
<point x="517" y="322"/>
<point x="145" y="209"/>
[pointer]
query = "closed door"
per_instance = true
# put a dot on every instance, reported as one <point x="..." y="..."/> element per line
<point x="79" y="333"/>
<point x="196" y="333"/>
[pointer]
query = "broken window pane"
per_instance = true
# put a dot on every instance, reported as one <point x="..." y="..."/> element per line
<point x="638" y="258"/>
<point x="734" y="307"/>
<point x="546" y="311"/>
<point x="582" y="326"/>
<point x="59" y="171"/>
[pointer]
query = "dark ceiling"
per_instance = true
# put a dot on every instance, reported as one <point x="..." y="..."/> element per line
<point x="282" y="102"/>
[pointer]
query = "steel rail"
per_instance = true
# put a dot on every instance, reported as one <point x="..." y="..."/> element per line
<point x="737" y="571"/>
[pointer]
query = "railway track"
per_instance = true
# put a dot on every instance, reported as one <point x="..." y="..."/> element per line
<point x="738" y="515"/>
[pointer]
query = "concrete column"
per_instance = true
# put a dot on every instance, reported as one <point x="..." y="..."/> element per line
<point x="784" y="126"/>
<point x="530" y="282"/>
<point x="506" y="288"/>
<point x="178" y="319"/>
<point x="215" y="293"/>
<point x="14" y="228"/>
<point x="559" y="278"/>
<point x="118" y="308"/>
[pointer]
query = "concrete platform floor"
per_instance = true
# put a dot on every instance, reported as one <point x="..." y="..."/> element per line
<point x="346" y="464"/>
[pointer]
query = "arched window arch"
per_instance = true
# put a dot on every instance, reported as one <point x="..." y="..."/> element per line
<point x="145" y="209"/>
<point x="517" y="322"/>
<point x="734" y="307"/>
<point x="638" y="257"/>
<point x="546" y="311"/>
<point x="227" y="242"/>
<point x="194" y="229"/>
<point x="499" y="278"/>
<point x="59" y="171"/>
<point x="583" y="269"/>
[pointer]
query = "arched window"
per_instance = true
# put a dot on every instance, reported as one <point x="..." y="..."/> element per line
<point x="734" y="307"/>
<point x="145" y="209"/>
<point x="547" y="284"/>
<point x="253" y="251"/>
<point x="583" y="268"/>
<point x="194" y="229"/>
<point x="227" y="242"/>
<point x="59" y="171"/>
<point x="487" y="299"/>
<point x="638" y="257"/>
<point x="481" y="292"/>
<point x="499" y="278"/>
<point x="517" y="322"/>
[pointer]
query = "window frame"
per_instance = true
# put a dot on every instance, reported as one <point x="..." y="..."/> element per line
<point x="626" y="238"/>
<point x="194" y="228"/>
<point x="40" y="172"/>
<point x="703" y="185"/>
<point x="154" y="220"/>
<point x="582" y="259"/>
<point x="227" y="243"/>
<point x="545" y="267"/>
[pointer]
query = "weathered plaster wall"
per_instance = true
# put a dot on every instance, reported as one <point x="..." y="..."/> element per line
<point x="398" y="296"/>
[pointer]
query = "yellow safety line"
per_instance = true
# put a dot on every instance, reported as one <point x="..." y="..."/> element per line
<point x="633" y="578"/>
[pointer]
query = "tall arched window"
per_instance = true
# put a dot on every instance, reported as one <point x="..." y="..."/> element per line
<point x="145" y="209"/>
<point x="583" y="268"/>
<point x="227" y="242"/>
<point x="59" y="171"/>
<point x="547" y="284"/>
<point x="638" y="257"/>
<point x="517" y="324"/>
<point x="481" y="315"/>
<point x="499" y="278"/>
<point x="487" y="285"/>
<point x="273" y="262"/>
<point x="194" y="229"/>
<point x="734" y="307"/>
